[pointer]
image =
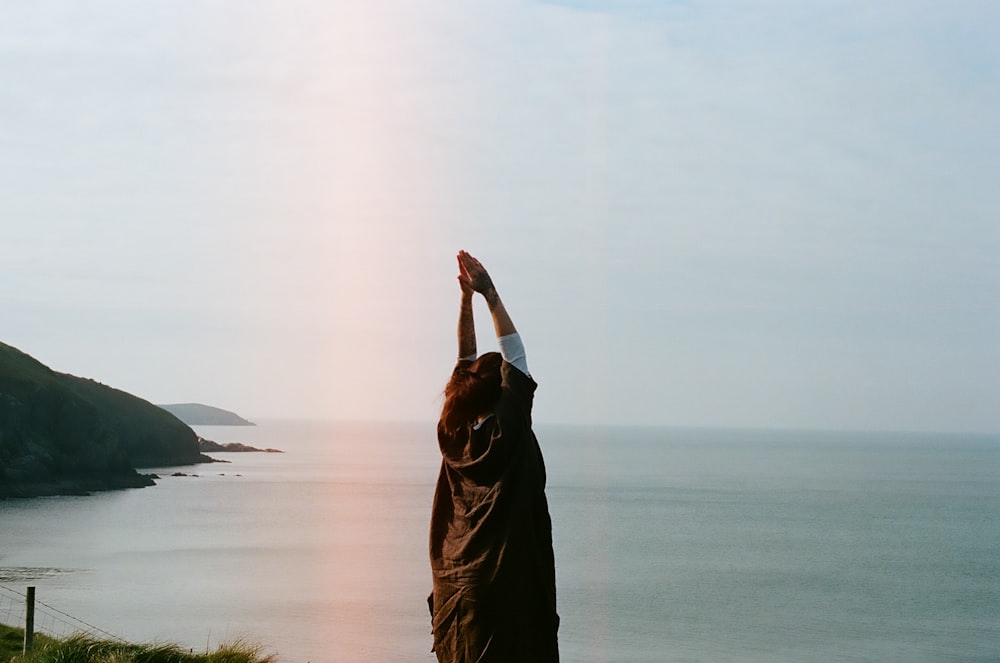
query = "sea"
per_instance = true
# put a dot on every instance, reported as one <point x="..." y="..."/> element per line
<point x="672" y="545"/>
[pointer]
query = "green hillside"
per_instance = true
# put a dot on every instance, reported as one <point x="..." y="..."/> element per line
<point x="61" y="434"/>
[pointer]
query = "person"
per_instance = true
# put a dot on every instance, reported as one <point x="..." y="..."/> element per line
<point x="494" y="591"/>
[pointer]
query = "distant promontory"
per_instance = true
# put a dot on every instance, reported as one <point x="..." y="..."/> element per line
<point x="196" y="414"/>
<point x="61" y="434"/>
<point x="232" y="447"/>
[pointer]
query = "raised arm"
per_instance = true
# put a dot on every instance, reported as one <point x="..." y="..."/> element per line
<point x="466" y="324"/>
<point x="475" y="278"/>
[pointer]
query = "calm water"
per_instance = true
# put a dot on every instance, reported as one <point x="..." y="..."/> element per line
<point x="671" y="545"/>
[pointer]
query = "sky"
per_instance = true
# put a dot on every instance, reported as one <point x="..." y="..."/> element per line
<point x="758" y="214"/>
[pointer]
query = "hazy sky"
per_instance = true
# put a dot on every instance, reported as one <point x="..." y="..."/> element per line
<point x="755" y="213"/>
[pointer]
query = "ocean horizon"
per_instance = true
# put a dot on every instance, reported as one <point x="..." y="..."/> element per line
<point x="672" y="544"/>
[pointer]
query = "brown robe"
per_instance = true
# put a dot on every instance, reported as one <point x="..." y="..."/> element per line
<point x="494" y="597"/>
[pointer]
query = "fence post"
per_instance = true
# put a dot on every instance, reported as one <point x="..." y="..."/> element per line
<point x="29" y="619"/>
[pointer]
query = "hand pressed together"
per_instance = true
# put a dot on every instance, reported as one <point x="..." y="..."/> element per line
<point x="472" y="275"/>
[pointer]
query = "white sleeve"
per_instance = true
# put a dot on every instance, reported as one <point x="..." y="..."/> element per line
<point x="512" y="350"/>
<point x="471" y="357"/>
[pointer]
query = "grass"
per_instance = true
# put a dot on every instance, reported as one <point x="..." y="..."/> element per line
<point x="84" y="649"/>
<point x="12" y="642"/>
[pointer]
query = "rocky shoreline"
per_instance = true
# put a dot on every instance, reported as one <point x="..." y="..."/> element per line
<point x="80" y="486"/>
<point x="208" y="446"/>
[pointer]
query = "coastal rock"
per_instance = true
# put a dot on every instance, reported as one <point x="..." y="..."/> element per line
<point x="65" y="435"/>
<point x="210" y="446"/>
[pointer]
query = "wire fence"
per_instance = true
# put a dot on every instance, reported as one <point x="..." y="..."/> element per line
<point x="48" y="620"/>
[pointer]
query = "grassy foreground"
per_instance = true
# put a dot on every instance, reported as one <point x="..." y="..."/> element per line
<point x="83" y="649"/>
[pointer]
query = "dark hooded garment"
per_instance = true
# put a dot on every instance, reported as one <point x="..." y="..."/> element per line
<point x="494" y="597"/>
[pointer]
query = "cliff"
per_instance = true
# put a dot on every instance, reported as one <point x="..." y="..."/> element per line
<point x="61" y="434"/>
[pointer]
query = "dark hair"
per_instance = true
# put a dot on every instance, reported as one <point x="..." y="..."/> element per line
<point x="472" y="391"/>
